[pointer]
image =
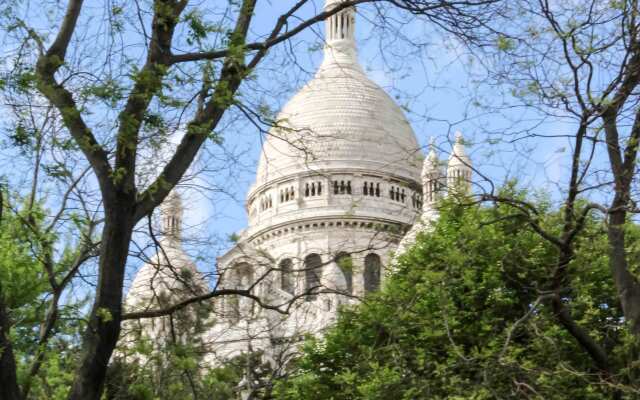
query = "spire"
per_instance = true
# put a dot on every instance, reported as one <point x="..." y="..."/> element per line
<point x="459" y="167"/>
<point x="340" y="42"/>
<point x="431" y="175"/>
<point x="171" y="211"/>
<point x="431" y="162"/>
<point x="459" y="155"/>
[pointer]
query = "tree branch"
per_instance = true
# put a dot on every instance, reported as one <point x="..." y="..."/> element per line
<point x="46" y="68"/>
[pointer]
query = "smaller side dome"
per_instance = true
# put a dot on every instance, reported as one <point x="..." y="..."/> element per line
<point x="170" y="275"/>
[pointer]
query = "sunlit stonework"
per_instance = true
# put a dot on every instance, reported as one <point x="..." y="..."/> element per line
<point x="338" y="186"/>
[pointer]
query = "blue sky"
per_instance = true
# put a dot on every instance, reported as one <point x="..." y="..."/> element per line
<point x="437" y="86"/>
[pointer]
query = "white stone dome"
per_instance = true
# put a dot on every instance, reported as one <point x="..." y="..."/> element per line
<point x="341" y="147"/>
<point x="340" y="119"/>
<point x="169" y="275"/>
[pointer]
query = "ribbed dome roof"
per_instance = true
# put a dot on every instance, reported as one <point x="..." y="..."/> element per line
<point x="340" y="119"/>
<point x="170" y="274"/>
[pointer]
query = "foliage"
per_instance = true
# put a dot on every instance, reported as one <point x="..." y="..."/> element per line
<point x="151" y="374"/>
<point x="465" y="315"/>
<point x="163" y="358"/>
<point x="26" y="293"/>
<point x="22" y="279"/>
<point x="176" y="371"/>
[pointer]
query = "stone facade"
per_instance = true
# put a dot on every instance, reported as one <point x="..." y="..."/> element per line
<point x="338" y="186"/>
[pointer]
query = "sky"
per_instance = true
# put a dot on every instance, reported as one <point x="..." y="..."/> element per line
<point x="436" y="86"/>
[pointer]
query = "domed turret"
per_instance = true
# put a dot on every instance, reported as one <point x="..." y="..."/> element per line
<point x="169" y="277"/>
<point x="170" y="274"/>
<point x="459" y="168"/>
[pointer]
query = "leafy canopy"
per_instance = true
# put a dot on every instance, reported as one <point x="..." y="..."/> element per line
<point x="465" y="316"/>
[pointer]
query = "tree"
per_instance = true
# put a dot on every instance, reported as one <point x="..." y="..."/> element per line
<point x="7" y="360"/>
<point x="467" y="314"/>
<point x="578" y="64"/>
<point x="36" y="329"/>
<point x="114" y="105"/>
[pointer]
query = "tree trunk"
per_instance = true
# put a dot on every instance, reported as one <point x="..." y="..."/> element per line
<point x="103" y="330"/>
<point x="626" y="283"/>
<point x="9" y="389"/>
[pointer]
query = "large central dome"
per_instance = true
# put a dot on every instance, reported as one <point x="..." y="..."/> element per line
<point x="340" y="119"/>
<point x="340" y="147"/>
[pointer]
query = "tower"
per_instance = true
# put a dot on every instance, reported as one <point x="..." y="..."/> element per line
<point x="171" y="212"/>
<point x="168" y="277"/>
<point x="432" y="177"/>
<point x="433" y="187"/>
<point x="340" y="43"/>
<point x="459" y="167"/>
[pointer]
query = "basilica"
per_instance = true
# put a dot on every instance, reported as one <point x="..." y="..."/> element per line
<point x="341" y="187"/>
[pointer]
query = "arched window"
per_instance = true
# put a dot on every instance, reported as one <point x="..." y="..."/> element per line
<point x="346" y="267"/>
<point x="365" y="189"/>
<point x="242" y="278"/>
<point x="313" y="273"/>
<point x="286" y="276"/>
<point x="319" y="188"/>
<point x="372" y="266"/>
